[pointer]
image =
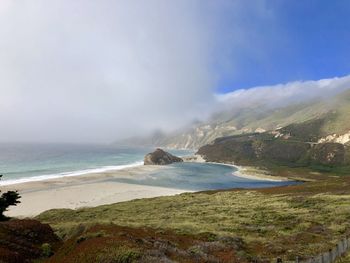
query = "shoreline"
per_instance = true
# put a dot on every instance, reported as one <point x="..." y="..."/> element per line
<point x="246" y="172"/>
<point x="250" y="172"/>
<point x="74" y="173"/>
<point x="99" y="188"/>
<point x="87" y="190"/>
<point x="45" y="177"/>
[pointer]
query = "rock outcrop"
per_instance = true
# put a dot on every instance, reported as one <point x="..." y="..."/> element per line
<point x="160" y="157"/>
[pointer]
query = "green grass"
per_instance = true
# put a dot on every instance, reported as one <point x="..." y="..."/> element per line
<point x="307" y="220"/>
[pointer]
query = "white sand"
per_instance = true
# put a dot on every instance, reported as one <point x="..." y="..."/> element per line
<point x="83" y="191"/>
<point x="256" y="174"/>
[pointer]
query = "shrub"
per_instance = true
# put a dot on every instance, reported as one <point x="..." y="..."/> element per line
<point x="46" y="250"/>
<point x="7" y="199"/>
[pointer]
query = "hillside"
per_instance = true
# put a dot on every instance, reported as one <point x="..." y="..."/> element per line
<point x="258" y="119"/>
<point x="26" y="241"/>
<point x="214" y="226"/>
<point x="317" y="141"/>
<point x="296" y="145"/>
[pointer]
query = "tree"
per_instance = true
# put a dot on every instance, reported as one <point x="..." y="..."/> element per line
<point x="9" y="198"/>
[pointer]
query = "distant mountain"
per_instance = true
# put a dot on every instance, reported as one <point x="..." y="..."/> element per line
<point x="334" y="111"/>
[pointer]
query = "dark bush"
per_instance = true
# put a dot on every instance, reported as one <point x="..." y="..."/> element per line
<point x="7" y="199"/>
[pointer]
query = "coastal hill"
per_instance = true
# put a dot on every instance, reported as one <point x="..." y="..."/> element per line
<point x="259" y="119"/>
<point x="321" y="143"/>
<point x="296" y="145"/>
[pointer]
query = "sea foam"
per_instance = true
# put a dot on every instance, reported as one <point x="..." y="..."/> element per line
<point x="70" y="174"/>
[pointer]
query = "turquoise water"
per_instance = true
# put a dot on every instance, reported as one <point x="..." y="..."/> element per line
<point x="29" y="162"/>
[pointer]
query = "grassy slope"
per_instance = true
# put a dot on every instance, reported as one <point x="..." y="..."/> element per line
<point x="244" y="120"/>
<point x="296" y="220"/>
<point x="111" y="243"/>
<point x="249" y="119"/>
<point x="341" y="121"/>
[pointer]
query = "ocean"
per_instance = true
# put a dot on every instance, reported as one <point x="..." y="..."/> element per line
<point x="35" y="162"/>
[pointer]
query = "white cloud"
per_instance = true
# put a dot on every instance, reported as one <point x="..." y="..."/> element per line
<point x="284" y="94"/>
<point x="100" y="70"/>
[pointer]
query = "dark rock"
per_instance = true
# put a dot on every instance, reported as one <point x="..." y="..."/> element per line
<point x="160" y="157"/>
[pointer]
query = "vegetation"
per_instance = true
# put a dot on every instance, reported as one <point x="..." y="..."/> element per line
<point x="7" y="199"/>
<point x="112" y="243"/>
<point x="299" y="220"/>
<point x="26" y="241"/>
<point x="295" y="145"/>
<point x="46" y="250"/>
<point x="345" y="259"/>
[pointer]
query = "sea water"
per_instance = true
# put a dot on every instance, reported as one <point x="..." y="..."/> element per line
<point x="35" y="162"/>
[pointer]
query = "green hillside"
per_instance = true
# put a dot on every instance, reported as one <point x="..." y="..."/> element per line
<point x="258" y="119"/>
<point x="296" y="145"/>
<point x="221" y="226"/>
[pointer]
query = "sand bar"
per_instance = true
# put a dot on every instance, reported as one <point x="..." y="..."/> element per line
<point x="83" y="191"/>
<point x="252" y="173"/>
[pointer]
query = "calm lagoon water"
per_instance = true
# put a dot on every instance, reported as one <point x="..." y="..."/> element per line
<point x="200" y="176"/>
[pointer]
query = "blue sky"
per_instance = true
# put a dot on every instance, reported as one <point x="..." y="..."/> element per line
<point x="298" y="40"/>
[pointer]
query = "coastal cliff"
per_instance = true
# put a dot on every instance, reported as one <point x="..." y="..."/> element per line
<point x="296" y="145"/>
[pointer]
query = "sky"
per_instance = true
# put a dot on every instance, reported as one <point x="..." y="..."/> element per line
<point x="289" y="41"/>
<point x="98" y="71"/>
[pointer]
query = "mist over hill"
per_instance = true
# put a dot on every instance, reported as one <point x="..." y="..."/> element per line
<point x="264" y="109"/>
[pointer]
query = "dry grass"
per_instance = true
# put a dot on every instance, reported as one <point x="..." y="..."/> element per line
<point x="296" y="220"/>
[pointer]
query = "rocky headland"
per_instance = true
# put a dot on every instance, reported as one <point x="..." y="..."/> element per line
<point x="160" y="157"/>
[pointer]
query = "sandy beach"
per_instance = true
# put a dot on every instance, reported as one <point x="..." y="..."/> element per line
<point x="83" y="191"/>
<point x="99" y="188"/>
